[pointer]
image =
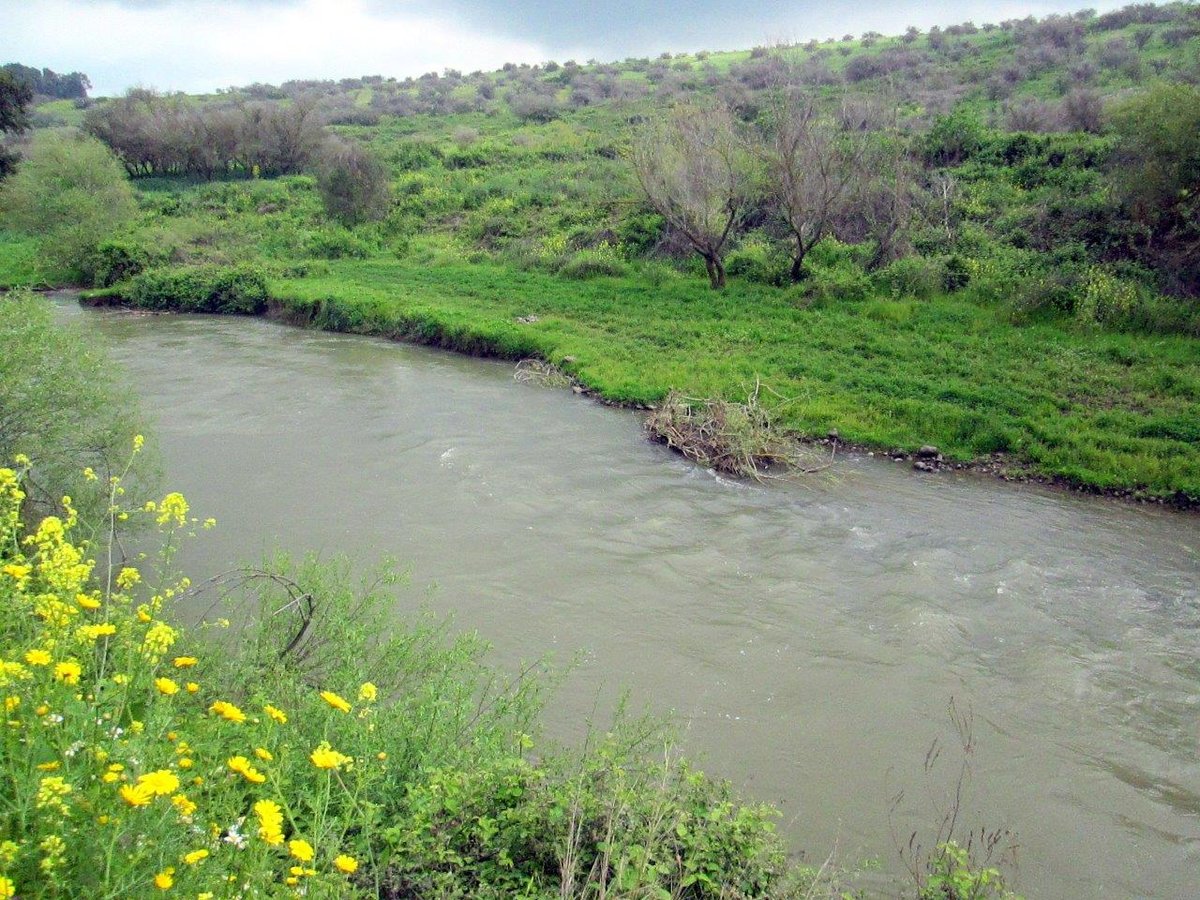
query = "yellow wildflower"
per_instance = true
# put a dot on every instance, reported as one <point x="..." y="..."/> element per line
<point x="174" y="508"/>
<point x="270" y="821"/>
<point x="243" y="767"/>
<point x="87" y="601"/>
<point x="325" y="757"/>
<point x="195" y="856"/>
<point x="166" y="686"/>
<point x="136" y="795"/>
<point x="347" y="864"/>
<point x="128" y="577"/>
<point x="228" y="711"/>
<point x="8" y="890"/>
<point x="263" y="753"/>
<point x="301" y="849"/>
<point x="335" y="701"/>
<point x="368" y="692"/>
<point x="138" y="442"/>
<point x="185" y="763"/>
<point x="68" y="671"/>
<point x="11" y="703"/>
<point x="185" y="662"/>
<point x="95" y="632"/>
<point x="160" y="782"/>
<point x="158" y="639"/>
<point x="18" y="572"/>
<point x="143" y="614"/>
<point x="165" y="879"/>
<point x="38" y="658"/>
<point x="192" y="687"/>
<point x="50" y="792"/>
<point x="277" y="714"/>
<point x="53" y="766"/>
<point x="181" y="803"/>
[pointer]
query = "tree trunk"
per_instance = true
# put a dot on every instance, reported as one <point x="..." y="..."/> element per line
<point x="797" y="268"/>
<point x="716" y="272"/>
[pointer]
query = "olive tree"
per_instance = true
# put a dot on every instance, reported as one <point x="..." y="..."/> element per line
<point x="697" y="174"/>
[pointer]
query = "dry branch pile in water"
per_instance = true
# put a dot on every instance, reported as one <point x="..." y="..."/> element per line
<point x="737" y="439"/>
<point x="537" y="371"/>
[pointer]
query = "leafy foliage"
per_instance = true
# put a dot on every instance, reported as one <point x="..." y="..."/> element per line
<point x="72" y="194"/>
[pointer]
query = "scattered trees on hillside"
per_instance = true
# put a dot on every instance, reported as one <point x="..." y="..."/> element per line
<point x="694" y="169"/>
<point x="156" y="135"/>
<point x="47" y="83"/>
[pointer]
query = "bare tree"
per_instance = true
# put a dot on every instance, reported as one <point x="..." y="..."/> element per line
<point x="697" y="174"/>
<point x="813" y="167"/>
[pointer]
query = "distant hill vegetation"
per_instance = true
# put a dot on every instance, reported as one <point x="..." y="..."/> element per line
<point x="48" y="83"/>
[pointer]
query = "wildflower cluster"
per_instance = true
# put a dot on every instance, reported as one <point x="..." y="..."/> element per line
<point x="127" y="771"/>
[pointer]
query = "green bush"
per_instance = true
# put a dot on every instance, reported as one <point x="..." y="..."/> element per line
<point x="72" y="194"/>
<point x="756" y="260"/>
<point x="336" y="243"/>
<point x="912" y="276"/>
<point x="117" y="260"/>
<point x="203" y="289"/>
<point x="594" y="262"/>
<point x="63" y="405"/>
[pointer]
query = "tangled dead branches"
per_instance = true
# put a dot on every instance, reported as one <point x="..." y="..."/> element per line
<point x="540" y="372"/>
<point x="739" y="439"/>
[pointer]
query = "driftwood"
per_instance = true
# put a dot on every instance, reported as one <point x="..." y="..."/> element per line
<point x="739" y="439"/>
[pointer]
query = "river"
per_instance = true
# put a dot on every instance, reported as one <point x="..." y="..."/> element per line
<point x="808" y="638"/>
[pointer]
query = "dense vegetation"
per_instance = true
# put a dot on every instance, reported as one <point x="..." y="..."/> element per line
<point x="1000" y="255"/>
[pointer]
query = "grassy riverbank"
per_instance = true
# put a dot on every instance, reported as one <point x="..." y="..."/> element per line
<point x="1096" y="410"/>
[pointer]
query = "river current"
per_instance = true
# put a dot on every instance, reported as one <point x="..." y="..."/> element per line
<point x="807" y="637"/>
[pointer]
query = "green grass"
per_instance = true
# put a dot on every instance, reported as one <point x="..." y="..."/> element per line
<point x="1114" y="411"/>
<point x="18" y="260"/>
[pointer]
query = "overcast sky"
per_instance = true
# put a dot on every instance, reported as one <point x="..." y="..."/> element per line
<point x="200" y="45"/>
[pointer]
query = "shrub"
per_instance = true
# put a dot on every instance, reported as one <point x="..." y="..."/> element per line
<point x="72" y="194"/>
<point x="911" y="276"/>
<point x="202" y="289"/>
<point x="756" y="260"/>
<point x="63" y="405"/>
<point x="1104" y="299"/>
<point x="954" y="138"/>
<point x="353" y="183"/>
<point x="117" y="260"/>
<point x="336" y="243"/>
<point x="593" y="262"/>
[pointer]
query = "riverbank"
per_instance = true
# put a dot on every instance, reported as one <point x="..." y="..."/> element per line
<point x="1100" y="412"/>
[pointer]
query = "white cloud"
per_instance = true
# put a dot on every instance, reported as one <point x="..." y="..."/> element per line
<point x="200" y="45"/>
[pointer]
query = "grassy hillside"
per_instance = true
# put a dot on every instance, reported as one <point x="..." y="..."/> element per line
<point x="1021" y="312"/>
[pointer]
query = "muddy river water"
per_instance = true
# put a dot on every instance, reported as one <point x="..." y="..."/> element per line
<point x="808" y="638"/>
